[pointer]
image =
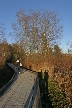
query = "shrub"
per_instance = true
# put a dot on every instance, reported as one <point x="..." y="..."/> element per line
<point x="57" y="98"/>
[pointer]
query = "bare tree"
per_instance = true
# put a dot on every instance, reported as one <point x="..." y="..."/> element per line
<point x="69" y="47"/>
<point x="37" y="30"/>
<point x="2" y="34"/>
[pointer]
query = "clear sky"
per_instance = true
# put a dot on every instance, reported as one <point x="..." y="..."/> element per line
<point x="8" y="9"/>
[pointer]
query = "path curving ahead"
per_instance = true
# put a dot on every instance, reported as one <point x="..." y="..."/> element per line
<point x="19" y="92"/>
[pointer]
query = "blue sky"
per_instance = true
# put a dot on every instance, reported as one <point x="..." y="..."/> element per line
<point x="8" y="9"/>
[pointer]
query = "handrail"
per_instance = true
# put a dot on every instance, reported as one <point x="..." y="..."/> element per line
<point x="31" y="98"/>
<point x="15" y="71"/>
<point x="32" y="95"/>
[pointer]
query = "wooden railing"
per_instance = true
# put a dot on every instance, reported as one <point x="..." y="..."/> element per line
<point x="12" y="79"/>
<point x="31" y="98"/>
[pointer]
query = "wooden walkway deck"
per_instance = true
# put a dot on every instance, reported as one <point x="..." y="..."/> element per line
<point x="20" y="94"/>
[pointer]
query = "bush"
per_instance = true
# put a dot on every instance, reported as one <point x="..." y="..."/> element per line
<point x="57" y="98"/>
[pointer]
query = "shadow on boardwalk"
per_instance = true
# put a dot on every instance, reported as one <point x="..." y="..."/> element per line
<point x="43" y="84"/>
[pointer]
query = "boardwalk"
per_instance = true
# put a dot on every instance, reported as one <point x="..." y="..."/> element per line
<point x="17" y="95"/>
